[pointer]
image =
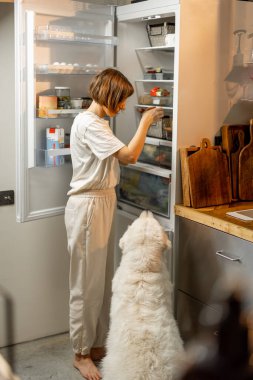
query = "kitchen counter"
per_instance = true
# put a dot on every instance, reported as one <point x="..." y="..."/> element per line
<point x="215" y="217"/>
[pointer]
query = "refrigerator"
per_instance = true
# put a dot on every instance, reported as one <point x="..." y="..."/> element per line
<point x="169" y="50"/>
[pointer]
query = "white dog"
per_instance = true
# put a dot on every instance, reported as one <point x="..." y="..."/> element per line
<point x="143" y="342"/>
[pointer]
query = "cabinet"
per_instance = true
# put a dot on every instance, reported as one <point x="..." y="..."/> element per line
<point x="208" y="260"/>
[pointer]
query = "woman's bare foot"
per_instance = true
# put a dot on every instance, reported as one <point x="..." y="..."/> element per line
<point x="86" y="367"/>
<point x="97" y="353"/>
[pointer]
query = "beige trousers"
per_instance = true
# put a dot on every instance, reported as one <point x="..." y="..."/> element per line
<point x="89" y="219"/>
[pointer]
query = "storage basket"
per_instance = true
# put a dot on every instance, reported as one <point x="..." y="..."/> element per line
<point x="158" y="32"/>
<point x="162" y="129"/>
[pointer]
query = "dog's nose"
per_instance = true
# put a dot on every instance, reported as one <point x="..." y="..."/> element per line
<point x="144" y="214"/>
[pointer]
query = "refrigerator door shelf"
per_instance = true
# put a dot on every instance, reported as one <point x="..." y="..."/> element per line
<point x="64" y="69"/>
<point x="61" y="113"/>
<point x="58" y="36"/>
<point x="52" y="157"/>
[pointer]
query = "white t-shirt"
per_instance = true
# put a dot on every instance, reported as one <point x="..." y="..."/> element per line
<point x="92" y="145"/>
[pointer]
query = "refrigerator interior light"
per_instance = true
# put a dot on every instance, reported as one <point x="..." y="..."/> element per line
<point x="151" y="18"/>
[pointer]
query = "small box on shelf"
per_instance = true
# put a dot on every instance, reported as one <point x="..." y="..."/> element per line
<point x="54" y="140"/>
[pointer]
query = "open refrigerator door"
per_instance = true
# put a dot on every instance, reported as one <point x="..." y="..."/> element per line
<point x="58" y="50"/>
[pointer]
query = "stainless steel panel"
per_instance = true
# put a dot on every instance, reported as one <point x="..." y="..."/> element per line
<point x="190" y="317"/>
<point x="207" y="257"/>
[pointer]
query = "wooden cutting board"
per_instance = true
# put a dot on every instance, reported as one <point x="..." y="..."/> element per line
<point x="234" y="162"/>
<point x="184" y="154"/>
<point x="246" y="169"/>
<point x="230" y="134"/>
<point x="209" y="176"/>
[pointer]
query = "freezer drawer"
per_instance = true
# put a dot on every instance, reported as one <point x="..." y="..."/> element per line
<point x="208" y="257"/>
<point x="145" y="190"/>
<point x="156" y="154"/>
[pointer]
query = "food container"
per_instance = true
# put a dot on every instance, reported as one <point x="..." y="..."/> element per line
<point x="63" y="97"/>
<point x="157" y="33"/>
<point x="54" y="140"/>
<point x="86" y="102"/>
<point x="162" y="129"/>
<point x="76" y="102"/>
<point x="47" y="103"/>
<point x="158" y="155"/>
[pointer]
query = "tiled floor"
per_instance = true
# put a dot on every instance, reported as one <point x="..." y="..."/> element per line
<point x="44" y="359"/>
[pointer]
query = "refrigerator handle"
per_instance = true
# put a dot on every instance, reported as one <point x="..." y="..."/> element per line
<point x="29" y="38"/>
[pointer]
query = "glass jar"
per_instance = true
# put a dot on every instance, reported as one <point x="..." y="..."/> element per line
<point x="63" y="97"/>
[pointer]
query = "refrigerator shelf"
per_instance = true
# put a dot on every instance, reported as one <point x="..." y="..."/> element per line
<point x="151" y="169"/>
<point x="71" y="37"/>
<point x="156" y="48"/>
<point x="152" y="105"/>
<point x="158" y="141"/>
<point x="155" y="80"/>
<point x="64" y="69"/>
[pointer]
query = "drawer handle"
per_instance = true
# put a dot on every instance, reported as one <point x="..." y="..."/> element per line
<point x="221" y="253"/>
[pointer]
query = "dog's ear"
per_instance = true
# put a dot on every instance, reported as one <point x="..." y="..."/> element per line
<point x="122" y="243"/>
<point x="166" y="241"/>
<point x="123" y="240"/>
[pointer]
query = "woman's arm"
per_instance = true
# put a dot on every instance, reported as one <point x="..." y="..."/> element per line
<point x="129" y="154"/>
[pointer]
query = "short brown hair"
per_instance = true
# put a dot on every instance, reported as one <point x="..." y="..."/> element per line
<point x="109" y="88"/>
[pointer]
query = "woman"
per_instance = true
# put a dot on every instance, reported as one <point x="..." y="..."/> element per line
<point x="96" y="154"/>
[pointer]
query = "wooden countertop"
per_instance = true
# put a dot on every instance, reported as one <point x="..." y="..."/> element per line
<point x="216" y="217"/>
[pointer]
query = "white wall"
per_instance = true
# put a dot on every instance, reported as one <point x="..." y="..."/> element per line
<point x="33" y="255"/>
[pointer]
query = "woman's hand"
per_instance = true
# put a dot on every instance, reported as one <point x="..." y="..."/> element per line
<point x="130" y="154"/>
<point x="152" y="115"/>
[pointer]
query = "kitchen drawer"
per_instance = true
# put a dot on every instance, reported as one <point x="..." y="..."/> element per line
<point x="200" y="268"/>
<point x="191" y="320"/>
